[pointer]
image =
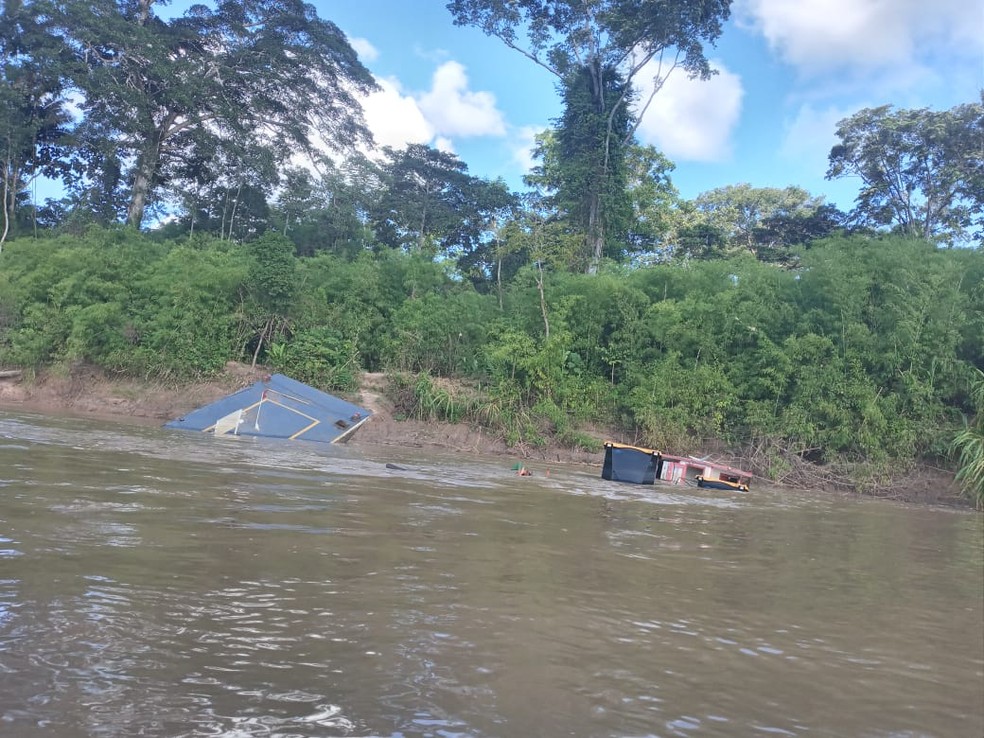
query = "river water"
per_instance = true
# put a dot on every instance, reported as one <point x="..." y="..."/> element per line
<point x="161" y="583"/>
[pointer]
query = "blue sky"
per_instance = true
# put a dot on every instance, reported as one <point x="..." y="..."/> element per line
<point x="789" y="70"/>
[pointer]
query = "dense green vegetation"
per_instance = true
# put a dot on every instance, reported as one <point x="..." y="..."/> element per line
<point x="864" y="353"/>
<point x="826" y="346"/>
<point x="969" y="444"/>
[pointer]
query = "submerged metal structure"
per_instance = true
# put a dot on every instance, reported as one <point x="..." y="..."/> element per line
<point x="277" y="407"/>
<point x="638" y="465"/>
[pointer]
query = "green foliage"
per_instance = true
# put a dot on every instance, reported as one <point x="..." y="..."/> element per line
<point x="679" y="406"/>
<point x="119" y="301"/>
<point x="420" y="397"/>
<point x="324" y="214"/>
<point x="899" y="309"/>
<point x="861" y="355"/>
<point x="598" y="51"/>
<point x="72" y="298"/>
<point x="920" y="169"/>
<point x="277" y="355"/>
<point x="653" y="198"/>
<point x="592" y="135"/>
<point x="358" y="298"/>
<point x="320" y="357"/>
<point x="272" y="277"/>
<point x="439" y="334"/>
<point x="829" y="408"/>
<point x="176" y="96"/>
<point x="763" y="221"/>
<point x="969" y="444"/>
<point x="33" y="109"/>
<point x="538" y="237"/>
<point x="429" y="202"/>
<point x="497" y="409"/>
<point x="38" y="338"/>
<point x="561" y="425"/>
<point x="507" y="355"/>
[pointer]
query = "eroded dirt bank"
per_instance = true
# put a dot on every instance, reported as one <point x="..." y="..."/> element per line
<point x="87" y="391"/>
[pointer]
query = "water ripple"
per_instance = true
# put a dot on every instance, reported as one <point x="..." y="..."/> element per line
<point x="164" y="584"/>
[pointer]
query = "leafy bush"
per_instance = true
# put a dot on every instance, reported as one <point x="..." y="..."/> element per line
<point x="322" y="358"/>
<point x="969" y="444"/>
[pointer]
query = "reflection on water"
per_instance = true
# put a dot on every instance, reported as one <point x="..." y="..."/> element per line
<point x="157" y="583"/>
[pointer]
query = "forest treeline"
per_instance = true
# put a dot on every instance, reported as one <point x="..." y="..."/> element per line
<point x="223" y="200"/>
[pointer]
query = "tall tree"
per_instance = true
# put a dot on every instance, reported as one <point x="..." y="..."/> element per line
<point x="591" y="153"/>
<point x="266" y="71"/>
<point x="607" y="44"/>
<point x="421" y="186"/>
<point x="653" y="198"/>
<point x="777" y="233"/>
<point x="757" y="219"/>
<point x="429" y="201"/>
<point x="328" y="211"/>
<point x="643" y="202"/>
<point x="921" y="171"/>
<point x="33" y="117"/>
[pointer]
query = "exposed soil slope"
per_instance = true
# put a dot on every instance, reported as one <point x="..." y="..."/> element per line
<point x="87" y="391"/>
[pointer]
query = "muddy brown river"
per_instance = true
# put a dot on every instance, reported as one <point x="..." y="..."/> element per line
<point x="160" y="583"/>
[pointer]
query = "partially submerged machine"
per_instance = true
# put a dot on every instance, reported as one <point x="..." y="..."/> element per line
<point x="638" y="465"/>
<point x="277" y="407"/>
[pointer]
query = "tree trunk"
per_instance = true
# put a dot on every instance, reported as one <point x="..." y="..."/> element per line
<point x="225" y="213"/>
<point x="143" y="180"/>
<point x="143" y="12"/>
<point x="235" y="207"/>
<point x="148" y="165"/>
<point x="596" y="225"/>
<point x="596" y="232"/>
<point x="265" y="333"/>
<point x="7" y="212"/>
<point x="423" y="221"/>
<point x="11" y="175"/>
<point x="498" y="278"/>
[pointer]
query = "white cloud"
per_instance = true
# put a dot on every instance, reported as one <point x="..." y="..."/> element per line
<point x="454" y="110"/>
<point x="808" y="138"/>
<point x="810" y="131"/>
<point x="522" y="146"/>
<point x="395" y="119"/>
<point x="823" y="35"/>
<point x="366" y="51"/>
<point x="692" y="120"/>
<point x="444" y="144"/>
<point x="434" y="56"/>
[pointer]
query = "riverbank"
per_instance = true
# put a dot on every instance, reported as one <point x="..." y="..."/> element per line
<point x="88" y="391"/>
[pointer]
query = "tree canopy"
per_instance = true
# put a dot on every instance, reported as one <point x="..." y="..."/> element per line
<point x="428" y="196"/>
<point x="159" y="96"/>
<point x="599" y="50"/>
<point x="921" y="171"/>
<point x="33" y="118"/>
<point x="765" y="221"/>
